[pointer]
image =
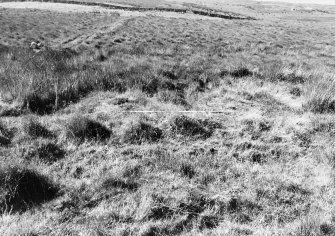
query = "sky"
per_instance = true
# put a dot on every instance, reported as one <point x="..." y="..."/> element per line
<point x="326" y="2"/>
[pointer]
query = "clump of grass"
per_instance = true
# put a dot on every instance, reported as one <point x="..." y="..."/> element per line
<point x="320" y="95"/>
<point x="33" y="128"/>
<point x="10" y="111"/>
<point x="4" y="141"/>
<point x="175" y="97"/>
<point x="290" y="200"/>
<point x="188" y="126"/>
<point x="5" y="135"/>
<point x="241" y="72"/>
<point x="49" y="152"/>
<point x="208" y="221"/>
<point x="151" y="87"/>
<point x="22" y="188"/>
<point x="141" y="132"/>
<point x="121" y="183"/>
<point x="295" y="91"/>
<point x="290" y="76"/>
<point x="82" y="128"/>
<point x="187" y="169"/>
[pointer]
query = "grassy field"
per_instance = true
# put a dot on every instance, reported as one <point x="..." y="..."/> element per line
<point x="157" y="123"/>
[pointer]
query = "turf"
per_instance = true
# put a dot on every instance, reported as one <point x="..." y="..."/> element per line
<point x="160" y="123"/>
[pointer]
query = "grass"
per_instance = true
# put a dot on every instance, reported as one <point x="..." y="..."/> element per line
<point x="34" y="129"/>
<point x="235" y="140"/>
<point x="320" y="97"/>
<point x="82" y="128"/>
<point x="142" y="132"/>
<point x="188" y="126"/>
<point x="23" y="188"/>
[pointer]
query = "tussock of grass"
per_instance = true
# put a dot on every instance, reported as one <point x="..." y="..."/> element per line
<point x="295" y="91"/>
<point x="23" y="188"/>
<point x="208" y="222"/>
<point x="4" y="141"/>
<point x="10" y="111"/>
<point x="5" y="135"/>
<point x="34" y="129"/>
<point x="188" y="126"/>
<point x="174" y="97"/>
<point x="114" y="182"/>
<point x="141" y="132"/>
<point x="290" y="200"/>
<point x="82" y="128"/>
<point x="49" y="152"/>
<point x="187" y="169"/>
<point x="320" y="95"/>
<point x="241" y="72"/>
<point x="290" y="76"/>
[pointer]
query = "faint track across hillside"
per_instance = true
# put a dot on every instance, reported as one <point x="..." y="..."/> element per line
<point x="212" y="13"/>
<point x="102" y="30"/>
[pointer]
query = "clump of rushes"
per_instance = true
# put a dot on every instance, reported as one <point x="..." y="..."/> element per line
<point x="188" y="126"/>
<point x="82" y="128"/>
<point x="4" y="135"/>
<point x="22" y="188"/>
<point x="241" y="72"/>
<point x="320" y="95"/>
<point x="33" y="128"/>
<point x="141" y="132"/>
<point x="49" y="152"/>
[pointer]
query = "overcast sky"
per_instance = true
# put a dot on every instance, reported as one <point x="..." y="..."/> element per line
<point x="328" y="2"/>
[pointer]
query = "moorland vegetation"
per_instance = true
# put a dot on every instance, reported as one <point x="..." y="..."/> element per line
<point x="165" y="125"/>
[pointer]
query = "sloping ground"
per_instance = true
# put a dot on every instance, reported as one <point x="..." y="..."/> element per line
<point x="208" y="12"/>
<point x="173" y="127"/>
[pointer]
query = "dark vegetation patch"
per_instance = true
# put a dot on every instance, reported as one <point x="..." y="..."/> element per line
<point x="288" y="77"/>
<point x="49" y="152"/>
<point x="254" y="129"/>
<point x="320" y="104"/>
<point x="126" y="183"/>
<point x="10" y="111"/>
<point x="151" y="87"/>
<point x="45" y="150"/>
<point x="324" y="126"/>
<point x="160" y="210"/>
<point x="187" y="169"/>
<point x="121" y="101"/>
<point x="34" y="129"/>
<point x="82" y="128"/>
<point x="174" y="97"/>
<point x="258" y="157"/>
<point x="4" y="141"/>
<point x="208" y="222"/>
<point x="195" y="204"/>
<point x="243" y="211"/>
<point x="303" y="139"/>
<point x="327" y="229"/>
<point x="59" y="80"/>
<point x="5" y="135"/>
<point x="241" y="72"/>
<point x="295" y="91"/>
<point x="23" y="188"/>
<point x="192" y="127"/>
<point x="142" y="132"/>
<point x="290" y="200"/>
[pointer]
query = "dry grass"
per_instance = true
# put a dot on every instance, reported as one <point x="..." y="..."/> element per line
<point x="236" y="138"/>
